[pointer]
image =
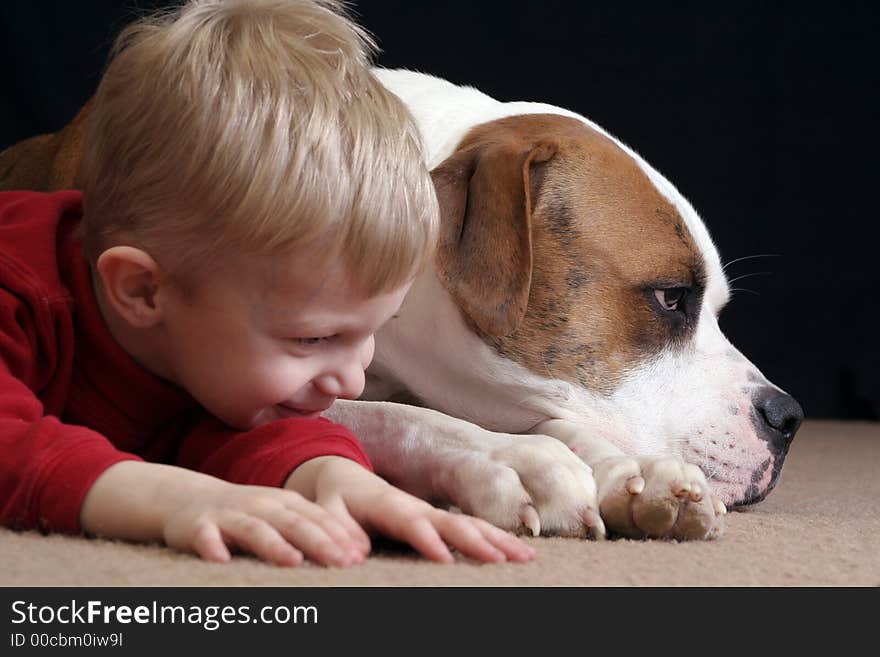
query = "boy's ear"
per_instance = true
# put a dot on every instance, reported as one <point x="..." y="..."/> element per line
<point x="131" y="280"/>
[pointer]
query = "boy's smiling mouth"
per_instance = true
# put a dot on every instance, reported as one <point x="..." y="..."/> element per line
<point x="290" y="411"/>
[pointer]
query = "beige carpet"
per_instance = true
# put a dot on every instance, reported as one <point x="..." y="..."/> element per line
<point x="820" y="527"/>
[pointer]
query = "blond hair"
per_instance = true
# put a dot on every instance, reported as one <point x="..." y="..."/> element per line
<point x="251" y="127"/>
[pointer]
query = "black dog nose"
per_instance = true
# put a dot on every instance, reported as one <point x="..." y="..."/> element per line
<point x="780" y="413"/>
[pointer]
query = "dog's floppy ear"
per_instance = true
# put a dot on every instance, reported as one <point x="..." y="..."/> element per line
<point x="46" y="163"/>
<point x="484" y="259"/>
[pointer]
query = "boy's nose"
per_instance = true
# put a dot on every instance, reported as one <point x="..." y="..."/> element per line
<point x="346" y="381"/>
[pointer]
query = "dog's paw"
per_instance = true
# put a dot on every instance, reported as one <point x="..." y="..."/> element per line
<point x="528" y="484"/>
<point x="657" y="497"/>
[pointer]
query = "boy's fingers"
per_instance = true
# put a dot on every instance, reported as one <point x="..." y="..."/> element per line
<point x="335" y="526"/>
<point x="207" y="542"/>
<point x="515" y="549"/>
<point x="429" y="529"/>
<point x="315" y="542"/>
<point x="260" y="538"/>
<point x="420" y="533"/>
<point x="462" y="533"/>
<point x="336" y="506"/>
<point x="425" y="538"/>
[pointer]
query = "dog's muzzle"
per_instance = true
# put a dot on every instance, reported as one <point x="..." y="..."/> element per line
<point x="776" y="417"/>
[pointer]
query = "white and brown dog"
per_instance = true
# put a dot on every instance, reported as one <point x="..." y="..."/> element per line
<point x="565" y="351"/>
<point x="564" y="354"/>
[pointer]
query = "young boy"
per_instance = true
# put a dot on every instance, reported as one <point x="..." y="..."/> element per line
<point x="254" y="208"/>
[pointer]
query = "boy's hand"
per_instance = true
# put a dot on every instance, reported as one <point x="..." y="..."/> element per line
<point x="198" y="513"/>
<point x="276" y="525"/>
<point x="355" y="495"/>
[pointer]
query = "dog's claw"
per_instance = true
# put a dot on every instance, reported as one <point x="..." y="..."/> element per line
<point x="593" y="520"/>
<point x="720" y="509"/>
<point x="681" y="490"/>
<point x="530" y="519"/>
<point x="635" y="485"/>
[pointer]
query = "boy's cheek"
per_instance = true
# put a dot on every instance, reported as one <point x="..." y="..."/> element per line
<point x="367" y="352"/>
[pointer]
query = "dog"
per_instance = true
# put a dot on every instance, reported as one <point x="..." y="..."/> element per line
<point x="560" y="368"/>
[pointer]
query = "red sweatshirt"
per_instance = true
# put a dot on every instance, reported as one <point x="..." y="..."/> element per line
<point x="73" y="402"/>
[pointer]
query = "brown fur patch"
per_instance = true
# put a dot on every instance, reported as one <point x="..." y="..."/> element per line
<point x="601" y="236"/>
<point x="45" y="163"/>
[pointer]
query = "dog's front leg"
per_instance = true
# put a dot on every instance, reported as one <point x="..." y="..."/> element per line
<point x="643" y="496"/>
<point x="521" y="483"/>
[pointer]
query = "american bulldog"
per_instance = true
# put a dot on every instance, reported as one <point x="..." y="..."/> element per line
<point x="560" y="368"/>
<point x="564" y="352"/>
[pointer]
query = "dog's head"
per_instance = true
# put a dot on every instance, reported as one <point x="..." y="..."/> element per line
<point x="572" y="258"/>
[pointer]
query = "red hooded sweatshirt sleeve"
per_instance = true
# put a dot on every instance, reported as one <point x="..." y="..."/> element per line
<point x="73" y="402"/>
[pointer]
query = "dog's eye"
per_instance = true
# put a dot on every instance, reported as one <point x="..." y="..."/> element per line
<point x="671" y="298"/>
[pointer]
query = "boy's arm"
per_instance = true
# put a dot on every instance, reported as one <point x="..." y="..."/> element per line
<point x="265" y="455"/>
<point x="46" y="466"/>
<point x="61" y="477"/>
<point x="198" y="513"/>
<point x="133" y="501"/>
<point x="324" y="462"/>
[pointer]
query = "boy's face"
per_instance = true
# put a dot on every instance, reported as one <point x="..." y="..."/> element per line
<point x="273" y="338"/>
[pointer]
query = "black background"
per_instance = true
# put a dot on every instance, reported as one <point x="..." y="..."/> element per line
<point x="763" y="115"/>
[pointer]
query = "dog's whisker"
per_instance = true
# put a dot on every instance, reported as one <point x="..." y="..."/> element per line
<point x="754" y="273"/>
<point x="742" y="289"/>
<point x="711" y="468"/>
<point x="749" y="257"/>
